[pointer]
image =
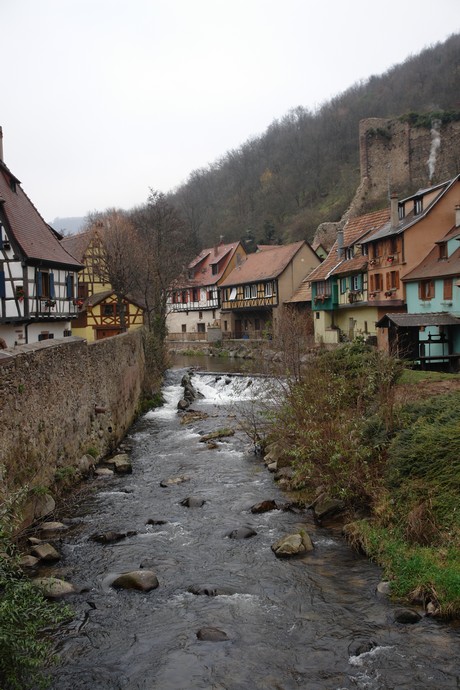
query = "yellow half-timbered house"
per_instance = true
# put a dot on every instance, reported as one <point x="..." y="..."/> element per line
<point x="97" y="303"/>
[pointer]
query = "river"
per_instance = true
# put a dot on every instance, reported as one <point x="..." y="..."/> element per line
<point x="313" y="622"/>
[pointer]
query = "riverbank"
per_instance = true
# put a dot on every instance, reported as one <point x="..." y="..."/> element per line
<point x="389" y="454"/>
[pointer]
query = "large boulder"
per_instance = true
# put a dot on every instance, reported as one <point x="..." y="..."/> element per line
<point x="325" y="506"/>
<point x="292" y="545"/>
<point x="211" y="635"/>
<point x="407" y="616"/>
<point x="85" y="465"/>
<point x="143" y="580"/>
<point x="274" y="452"/>
<point x="53" y="587"/>
<point x="121" y="464"/>
<point x="46" y="552"/>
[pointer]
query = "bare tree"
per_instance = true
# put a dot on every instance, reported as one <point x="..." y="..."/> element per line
<point x="166" y="249"/>
<point x="119" y="260"/>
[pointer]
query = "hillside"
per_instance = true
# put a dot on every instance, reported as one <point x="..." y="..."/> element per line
<point x="305" y="168"/>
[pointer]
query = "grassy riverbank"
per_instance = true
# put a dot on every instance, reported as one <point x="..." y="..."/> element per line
<point x="382" y="439"/>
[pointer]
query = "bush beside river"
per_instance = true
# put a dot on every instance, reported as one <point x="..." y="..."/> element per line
<point x="352" y="429"/>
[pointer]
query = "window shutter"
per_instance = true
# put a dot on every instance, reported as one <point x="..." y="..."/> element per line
<point x="52" y="293"/>
<point x="69" y="286"/>
<point x="448" y="282"/>
<point x="359" y="282"/>
<point x="388" y="279"/>
<point x="2" y="285"/>
<point x="39" y="284"/>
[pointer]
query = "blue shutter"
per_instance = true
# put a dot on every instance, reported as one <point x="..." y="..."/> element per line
<point x="359" y="282"/>
<point x="39" y="284"/>
<point x="2" y="285"/>
<point x="52" y="293"/>
<point x="69" y="286"/>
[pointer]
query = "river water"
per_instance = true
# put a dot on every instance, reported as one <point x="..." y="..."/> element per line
<point x="303" y="623"/>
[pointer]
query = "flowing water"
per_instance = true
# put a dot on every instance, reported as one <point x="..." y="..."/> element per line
<point x="301" y="623"/>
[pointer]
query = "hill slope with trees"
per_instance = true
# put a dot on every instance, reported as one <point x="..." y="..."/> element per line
<point x="304" y="169"/>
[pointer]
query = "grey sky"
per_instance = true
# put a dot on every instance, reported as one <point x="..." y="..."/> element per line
<point x="103" y="99"/>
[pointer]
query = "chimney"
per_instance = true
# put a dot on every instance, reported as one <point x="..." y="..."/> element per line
<point x="457" y="216"/>
<point x="339" y="243"/>
<point x="394" y="210"/>
<point x="1" y="144"/>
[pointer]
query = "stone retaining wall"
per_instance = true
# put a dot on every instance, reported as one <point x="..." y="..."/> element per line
<point x="60" y="399"/>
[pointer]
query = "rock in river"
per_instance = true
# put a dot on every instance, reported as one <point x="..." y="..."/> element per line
<point x="143" y="580"/>
<point x="193" y="502"/>
<point x="211" y="635"/>
<point x="264" y="506"/>
<point x="292" y="545"/>
<point x="242" y="533"/>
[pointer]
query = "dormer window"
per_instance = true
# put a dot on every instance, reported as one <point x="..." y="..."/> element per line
<point x="418" y="206"/>
<point x="214" y="269"/>
<point x="442" y="251"/>
<point x="191" y="274"/>
<point x="349" y="252"/>
<point x="401" y="211"/>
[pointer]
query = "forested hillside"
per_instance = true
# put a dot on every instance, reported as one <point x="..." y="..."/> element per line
<point x="305" y="168"/>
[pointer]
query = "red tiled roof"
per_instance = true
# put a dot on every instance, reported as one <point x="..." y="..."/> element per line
<point x="355" y="229"/>
<point x="35" y="237"/>
<point x="77" y="244"/>
<point x="433" y="267"/>
<point x="221" y="255"/>
<point x="263" y="265"/>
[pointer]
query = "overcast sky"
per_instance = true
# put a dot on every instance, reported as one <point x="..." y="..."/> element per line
<point x="103" y="99"/>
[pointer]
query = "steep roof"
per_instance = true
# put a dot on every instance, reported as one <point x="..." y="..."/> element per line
<point x="203" y="264"/>
<point x="265" y="264"/>
<point x="34" y="236"/>
<point x="76" y="245"/>
<point x="434" y="267"/>
<point x="411" y="218"/>
<point x="355" y="230"/>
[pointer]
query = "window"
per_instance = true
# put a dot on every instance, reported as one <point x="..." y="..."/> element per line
<point x="253" y="291"/>
<point x="393" y="245"/>
<point x="109" y="309"/>
<point x="418" y="206"/>
<point x="426" y="289"/>
<point x="69" y="286"/>
<point x="232" y="294"/>
<point x="447" y="289"/>
<point x="364" y="249"/>
<point x="268" y="290"/>
<point x="323" y="287"/>
<point x="225" y="326"/>
<point x="174" y="297"/>
<point x="200" y="314"/>
<point x="45" y="335"/>
<point x="247" y="292"/>
<point x="184" y="296"/>
<point x="214" y="269"/>
<point x="45" y="284"/>
<point x="376" y="282"/>
<point x="184" y="328"/>
<point x="82" y="290"/>
<point x="257" y="324"/>
<point x="196" y="295"/>
<point x="392" y="279"/>
<point x="442" y="251"/>
<point x="356" y="283"/>
<point x="201" y="328"/>
<point x="343" y="285"/>
<point x="349" y="252"/>
<point x="191" y="274"/>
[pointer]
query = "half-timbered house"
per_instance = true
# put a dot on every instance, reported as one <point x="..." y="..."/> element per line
<point x="194" y="303"/>
<point x="254" y="291"/>
<point x="38" y="277"/>
<point x="97" y="304"/>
